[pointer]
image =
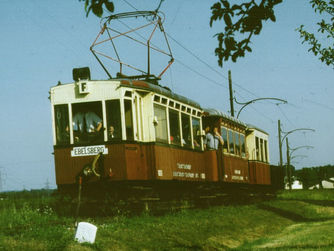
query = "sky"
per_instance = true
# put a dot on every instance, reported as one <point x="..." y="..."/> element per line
<point x="41" y="41"/>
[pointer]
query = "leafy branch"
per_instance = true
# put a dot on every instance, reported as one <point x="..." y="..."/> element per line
<point x="249" y="21"/>
<point x="326" y="54"/>
<point x="97" y="6"/>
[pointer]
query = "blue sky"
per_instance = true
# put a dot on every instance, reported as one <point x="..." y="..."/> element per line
<point x="41" y="41"/>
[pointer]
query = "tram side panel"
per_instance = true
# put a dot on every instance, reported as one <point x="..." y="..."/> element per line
<point x="68" y="167"/>
<point x="235" y="169"/>
<point x="259" y="173"/>
<point x="135" y="158"/>
<point x="181" y="164"/>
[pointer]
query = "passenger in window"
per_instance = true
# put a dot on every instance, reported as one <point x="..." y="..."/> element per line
<point x="78" y="125"/>
<point x="206" y="136"/>
<point x="213" y="138"/>
<point x="111" y="132"/>
<point x="78" y="122"/>
<point x="196" y="140"/>
<point x="93" y="122"/>
<point x="218" y="137"/>
<point x="86" y="125"/>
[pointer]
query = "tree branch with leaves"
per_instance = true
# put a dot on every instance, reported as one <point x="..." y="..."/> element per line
<point x="241" y="23"/>
<point x="325" y="53"/>
<point x="97" y="6"/>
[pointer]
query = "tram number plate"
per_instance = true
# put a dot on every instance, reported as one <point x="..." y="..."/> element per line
<point x="88" y="150"/>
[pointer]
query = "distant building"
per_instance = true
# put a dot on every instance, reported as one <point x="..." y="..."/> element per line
<point x="296" y="184"/>
<point x="327" y="184"/>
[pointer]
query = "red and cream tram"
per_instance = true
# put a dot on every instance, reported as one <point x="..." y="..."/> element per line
<point x="131" y="129"/>
<point x="135" y="130"/>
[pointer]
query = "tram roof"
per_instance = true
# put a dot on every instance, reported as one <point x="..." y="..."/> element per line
<point x="217" y="113"/>
<point x="251" y="127"/>
<point x="145" y="85"/>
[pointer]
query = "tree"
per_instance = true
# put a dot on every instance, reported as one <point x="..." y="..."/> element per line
<point x="326" y="54"/>
<point x="97" y="6"/>
<point x="241" y="23"/>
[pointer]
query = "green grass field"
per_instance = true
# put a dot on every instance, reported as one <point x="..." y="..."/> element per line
<point x="301" y="220"/>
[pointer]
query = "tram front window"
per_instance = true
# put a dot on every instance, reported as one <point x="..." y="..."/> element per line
<point x="196" y="133"/>
<point x="242" y="143"/>
<point x="61" y="124"/>
<point x="114" y="124"/>
<point x="160" y="124"/>
<point x="231" y="141"/>
<point x="174" y="127"/>
<point x="186" y="135"/>
<point x="128" y="119"/>
<point x="87" y="122"/>
<point x="237" y="143"/>
<point x="224" y="136"/>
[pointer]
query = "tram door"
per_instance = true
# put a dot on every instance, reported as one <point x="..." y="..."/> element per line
<point x="138" y="114"/>
<point x="135" y="152"/>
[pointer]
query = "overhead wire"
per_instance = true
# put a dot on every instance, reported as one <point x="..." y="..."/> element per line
<point x="209" y="67"/>
<point x="286" y="117"/>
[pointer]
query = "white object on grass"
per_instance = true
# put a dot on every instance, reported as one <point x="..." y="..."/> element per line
<point x="86" y="232"/>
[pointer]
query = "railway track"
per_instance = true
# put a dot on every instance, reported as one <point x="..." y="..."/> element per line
<point x="158" y="199"/>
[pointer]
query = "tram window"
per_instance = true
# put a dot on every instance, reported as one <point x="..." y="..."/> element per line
<point x="161" y="125"/>
<point x="231" y="141"/>
<point x="62" y="124"/>
<point x="114" y="124"/>
<point x="257" y="148"/>
<point x="242" y="144"/>
<point x="164" y="101"/>
<point x="128" y="94"/>
<point x="128" y="119"/>
<point x="171" y="103"/>
<point x="224" y="136"/>
<point x="87" y="122"/>
<point x="174" y="127"/>
<point x="237" y="144"/>
<point x="261" y="149"/>
<point x="266" y="150"/>
<point x="186" y="134"/>
<point x="196" y="133"/>
<point x="156" y="98"/>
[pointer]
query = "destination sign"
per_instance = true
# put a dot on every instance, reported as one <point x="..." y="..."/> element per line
<point x="88" y="150"/>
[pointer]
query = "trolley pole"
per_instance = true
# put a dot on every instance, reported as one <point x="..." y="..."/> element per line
<point x="231" y="93"/>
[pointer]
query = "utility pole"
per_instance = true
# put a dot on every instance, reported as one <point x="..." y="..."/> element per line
<point x="231" y="93"/>
<point x="288" y="170"/>
<point x="280" y="145"/>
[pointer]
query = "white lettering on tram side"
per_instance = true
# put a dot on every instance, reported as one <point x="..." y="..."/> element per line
<point x="188" y="175"/>
<point x="88" y="150"/>
<point x="237" y="177"/>
<point x="183" y="166"/>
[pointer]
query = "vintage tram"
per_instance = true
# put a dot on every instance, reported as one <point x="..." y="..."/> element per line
<point x="144" y="132"/>
<point x="131" y="130"/>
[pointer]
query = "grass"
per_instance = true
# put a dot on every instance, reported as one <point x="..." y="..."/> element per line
<point x="322" y="194"/>
<point x="303" y="236"/>
<point x="293" y="221"/>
